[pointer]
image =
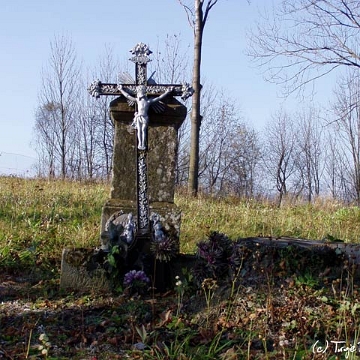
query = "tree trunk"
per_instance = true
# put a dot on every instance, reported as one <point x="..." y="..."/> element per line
<point x="195" y="111"/>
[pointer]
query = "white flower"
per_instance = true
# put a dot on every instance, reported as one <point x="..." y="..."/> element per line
<point x="43" y="337"/>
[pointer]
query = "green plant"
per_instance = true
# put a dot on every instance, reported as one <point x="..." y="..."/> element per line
<point x="209" y="286"/>
<point x="112" y="267"/>
<point x="214" y="258"/>
<point x="142" y="333"/>
<point x="177" y="349"/>
<point x="306" y="280"/>
<point x="290" y="307"/>
<point x="42" y="348"/>
<point x="216" y="347"/>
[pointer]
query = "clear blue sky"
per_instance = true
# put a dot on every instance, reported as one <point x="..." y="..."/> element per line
<point x="28" y="26"/>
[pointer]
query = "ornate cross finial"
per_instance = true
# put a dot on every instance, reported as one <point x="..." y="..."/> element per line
<point x="141" y="53"/>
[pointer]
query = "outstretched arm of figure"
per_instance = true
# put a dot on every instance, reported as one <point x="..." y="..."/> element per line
<point x="167" y="92"/>
<point x="128" y="96"/>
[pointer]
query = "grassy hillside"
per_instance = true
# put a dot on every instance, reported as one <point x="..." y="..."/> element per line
<point x="38" y="218"/>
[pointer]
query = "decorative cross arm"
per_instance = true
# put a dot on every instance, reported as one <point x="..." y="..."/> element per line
<point x="97" y="88"/>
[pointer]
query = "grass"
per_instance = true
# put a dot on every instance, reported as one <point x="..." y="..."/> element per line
<point x="38" y="218"/>
<point x="248" y="218"/>
<point x="281" y="316"/>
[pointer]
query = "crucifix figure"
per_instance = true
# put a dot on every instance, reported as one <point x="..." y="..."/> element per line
<point x="141" y="93"/>
<point x="141" y="118"/>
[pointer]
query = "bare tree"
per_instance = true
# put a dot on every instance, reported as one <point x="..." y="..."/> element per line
<point x="220" y="121"/>
<point x="171" y="61"/>
<point x="335" y="168"/>
<point x="197" y="16"/>
<point x="347" y="112"/>
<point x="45" y="142"/>
<point x="309" y="155"/>
<point x="279" y="151"/>
<point x="244" y="156"/>
<point x="227" y="147"/>
<point x="90" y="135"/>
<point x="58" y="105"/>
<point x="99" y="122"/>
<point x="303" y="40"/>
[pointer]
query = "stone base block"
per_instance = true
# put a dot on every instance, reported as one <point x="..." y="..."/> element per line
<point x="170" y="214"/>
<point x="81" y="271"/>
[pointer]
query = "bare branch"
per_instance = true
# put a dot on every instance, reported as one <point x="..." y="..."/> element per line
<point x="189" y="13"/>
<point x="307" y="38"/>
<point x="208" y="7"/>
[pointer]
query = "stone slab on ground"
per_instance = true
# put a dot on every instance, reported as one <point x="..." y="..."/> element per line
<point x="80" y="273"/>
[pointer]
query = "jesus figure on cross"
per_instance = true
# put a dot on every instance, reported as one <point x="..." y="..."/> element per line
<point x="141" y="118"/>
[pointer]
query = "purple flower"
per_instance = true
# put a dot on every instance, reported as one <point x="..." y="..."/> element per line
<point x="165" y="250"/>
<point x="135" y="278"/>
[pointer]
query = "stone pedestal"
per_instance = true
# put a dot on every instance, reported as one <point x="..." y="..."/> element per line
<point x="162" y="154"/>
<point x="140" y="223"/>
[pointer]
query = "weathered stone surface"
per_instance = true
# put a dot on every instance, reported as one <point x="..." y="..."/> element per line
<point x="123" y="185"/>
<point x="78" y="274"/>
<point x="114" y="205"/>
<point x="170" y="216"/>
<point x="161" y="168"/>
<point x="162" y="151"/>
<point x="350" y="250"/>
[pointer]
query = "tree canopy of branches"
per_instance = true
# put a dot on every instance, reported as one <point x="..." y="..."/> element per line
<point x="309" y="154"/>
<point x="229" y="149"/>
<point x="59" y="109"/>
<point x="347" y="111"/>
<point x="303" y="40"/>
<point x="300" y="156"/>
<point x="99" y="117"/>
<point x="74" y="133"/>
<point x="279" y="151"/>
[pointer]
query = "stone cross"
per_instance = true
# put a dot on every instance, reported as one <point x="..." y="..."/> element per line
<point x="143" y="94"/>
